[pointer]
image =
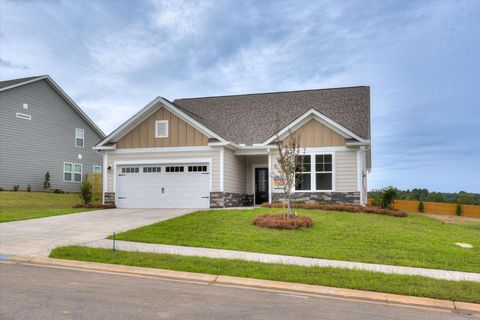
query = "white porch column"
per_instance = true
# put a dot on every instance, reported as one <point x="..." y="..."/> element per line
<point x="222" y="168"/>
<point x="270" y="180"/>
<point x="104" y="174"/>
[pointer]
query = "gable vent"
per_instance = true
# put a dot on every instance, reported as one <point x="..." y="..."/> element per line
<point x="161" y="129"/>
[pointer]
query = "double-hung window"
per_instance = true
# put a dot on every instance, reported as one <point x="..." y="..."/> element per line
<point x="314" y="172"/>
<point x="97" y="169"/>
<point x="79" y="138"/>
<point x="303" y="173"/>
<point x="67" y="171"/>
<point x="323" y="172"/>
<point x="77" y="172"/>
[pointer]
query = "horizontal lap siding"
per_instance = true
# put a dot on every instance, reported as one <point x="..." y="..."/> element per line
<point x="214" y="155"/>
<point x="346" y="171"/>
<point x="234" y="172"/>
<point x="29" y="148"/>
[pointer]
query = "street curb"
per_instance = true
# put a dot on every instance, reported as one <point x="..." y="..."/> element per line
<point x="392" y="299"/>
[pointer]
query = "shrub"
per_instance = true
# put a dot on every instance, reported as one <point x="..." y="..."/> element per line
<point x="86" y="192"/>
<point x="387" y="197"/>
<point x="1" y="189"/>
<point x="98" y="206"/>
<point x="421" y="207"/>
<point x="16" y="187"/>
<point x="46" y="181"/>
<point x="458" y="209"/>
<point x="60" y="191"/>
<point x="29" y="188"/>
<point x="283" y="221"/>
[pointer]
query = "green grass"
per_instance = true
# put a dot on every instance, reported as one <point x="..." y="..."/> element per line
<point x="30" y="205"/>
<point x="343" y="278"/>
<point x="415" y="241"/>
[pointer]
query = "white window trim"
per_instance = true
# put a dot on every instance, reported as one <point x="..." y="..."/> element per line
<point x="157" y="135"/>
<point x="81" y="172"/>
<point x="97" y="167"/>
<point x="83" y="137"/>
<point x="71" y="172"/>
<point x="313" y="172"/>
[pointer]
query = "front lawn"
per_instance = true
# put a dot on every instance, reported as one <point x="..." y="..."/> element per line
<point x="30" y="205"/>
<point x="415" y="241"/>
<point x="343" y="278"/>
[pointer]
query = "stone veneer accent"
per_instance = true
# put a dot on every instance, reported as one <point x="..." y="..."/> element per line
<point x="327" y="197"/>
<point x="109" y="198"/>
<point x="230" y="199"/>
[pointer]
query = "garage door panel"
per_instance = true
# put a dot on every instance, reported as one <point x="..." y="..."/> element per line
<point x="138" y="189"/>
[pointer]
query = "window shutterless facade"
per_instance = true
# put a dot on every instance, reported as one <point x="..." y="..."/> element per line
<point x="97" y="169"/>
<point x="72" y="172"/>
<point x="315" y="172"/>
<point x="79" y="138"/>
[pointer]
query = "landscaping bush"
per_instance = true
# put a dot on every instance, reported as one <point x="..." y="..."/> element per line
<point x="421" y="207"/>
<point x="46" y="181"/>
<point x="95" y="206"/>
<point x="29" y="188"/>
<point x="458" y="209"/>
<point x="59" y="191"/>
<point x="283" y="221"/>
<point x="387" y="197"/>
<point x="86" y="192"/>
<point x="16" y="187"/>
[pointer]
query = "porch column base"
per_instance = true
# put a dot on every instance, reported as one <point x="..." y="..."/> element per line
<point x="230" y="199"/>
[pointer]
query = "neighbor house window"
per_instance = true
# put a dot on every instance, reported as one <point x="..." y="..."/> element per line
<point x="323" y="171"/>
<point x="67" y="171"/>
<point x="77" y="172"/>
<point x="97" y="169"/>
<point x="303" y="173"/>
<point x="79" y="137"/>
<point x="161" y="129"/>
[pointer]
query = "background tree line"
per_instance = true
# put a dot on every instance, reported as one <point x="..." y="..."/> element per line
<point x="425" y="195"/>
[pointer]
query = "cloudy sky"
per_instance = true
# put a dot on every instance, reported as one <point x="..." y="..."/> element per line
<point x="421" y="59"/>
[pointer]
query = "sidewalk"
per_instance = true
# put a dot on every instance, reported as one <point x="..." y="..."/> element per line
<point x="274" y="258"/>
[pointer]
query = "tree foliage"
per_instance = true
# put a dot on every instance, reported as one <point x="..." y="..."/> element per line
<point x="431" y="196"/>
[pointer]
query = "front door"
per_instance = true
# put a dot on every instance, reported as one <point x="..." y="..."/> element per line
<point x="261" y="185"/>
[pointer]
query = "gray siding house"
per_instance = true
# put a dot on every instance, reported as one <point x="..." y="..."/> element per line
<point x="42" y="129"/>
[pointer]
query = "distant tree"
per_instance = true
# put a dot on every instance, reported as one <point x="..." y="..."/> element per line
<point x="466" y="198"/>
<point x="46" y="181"/>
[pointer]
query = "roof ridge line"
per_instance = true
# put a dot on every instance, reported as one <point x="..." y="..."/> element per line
<point x="266" y="93"/>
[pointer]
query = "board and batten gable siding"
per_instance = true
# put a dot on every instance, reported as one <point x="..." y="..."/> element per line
<point x="30" y="148"/>
<point x="180" y="133"/>
<point x="234" y="172"/>
<point x="315" y="134"/>
<point x="112" y="157"/>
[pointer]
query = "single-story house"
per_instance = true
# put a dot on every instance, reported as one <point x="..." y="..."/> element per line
<point x="215" y="152"/>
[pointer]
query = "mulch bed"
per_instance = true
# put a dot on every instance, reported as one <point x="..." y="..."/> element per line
<point x="283" y="221"/>
<point x="340" y="207"/>
<point x="92" y="206"/>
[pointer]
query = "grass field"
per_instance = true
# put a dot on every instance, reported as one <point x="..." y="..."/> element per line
<point x="353" y="279"/>
<point x="415" y="241"/>
<point x="30" y="205"/>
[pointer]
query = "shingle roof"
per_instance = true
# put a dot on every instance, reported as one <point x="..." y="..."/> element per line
<point x="250" y="118"/>
<point x="8" y="83"/>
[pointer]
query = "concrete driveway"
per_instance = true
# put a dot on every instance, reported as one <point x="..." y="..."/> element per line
<point x="37" y="237"/>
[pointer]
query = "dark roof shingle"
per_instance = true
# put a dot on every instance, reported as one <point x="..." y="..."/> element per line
<point x="251" y="118"/>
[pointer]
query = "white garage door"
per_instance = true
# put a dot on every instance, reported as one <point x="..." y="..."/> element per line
<point x="163" y="186"/>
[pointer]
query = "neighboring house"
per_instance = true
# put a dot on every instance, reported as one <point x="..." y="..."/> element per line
<point x="42" y="129"/>
<point x="220" y="151"/>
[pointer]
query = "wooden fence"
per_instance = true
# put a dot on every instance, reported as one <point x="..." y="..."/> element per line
<point x="96" y="179"/>
<point x="436" y="207"/>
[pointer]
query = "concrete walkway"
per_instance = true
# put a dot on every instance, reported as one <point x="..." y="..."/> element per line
<point x="36" y="237"/>
<point x="274" y="258"/>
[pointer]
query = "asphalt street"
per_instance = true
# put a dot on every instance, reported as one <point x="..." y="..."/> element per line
<point x="38" y="292"/>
